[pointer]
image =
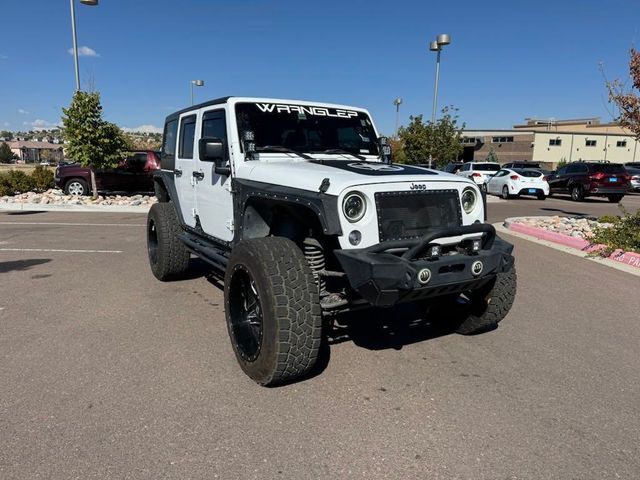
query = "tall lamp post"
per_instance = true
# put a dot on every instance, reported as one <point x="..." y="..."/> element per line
<point x="436" y="46"/>
<point x="397" y="103"/>
<point x="91" y="3"/>
<point x="197" y="83"/>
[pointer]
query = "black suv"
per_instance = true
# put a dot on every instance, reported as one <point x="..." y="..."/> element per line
<point x="590" y="179"/>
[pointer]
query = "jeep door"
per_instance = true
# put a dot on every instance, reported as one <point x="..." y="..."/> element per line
<point x="213" y="190"/>
<point x="184" y="168"/>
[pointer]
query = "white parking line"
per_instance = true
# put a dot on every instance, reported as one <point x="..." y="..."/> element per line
<point x="63" y="224"/>
<point x="56" y="250"/>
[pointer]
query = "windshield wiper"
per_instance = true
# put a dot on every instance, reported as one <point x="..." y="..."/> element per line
<point x="343" y="152"/>
<point x="279" y="149"/>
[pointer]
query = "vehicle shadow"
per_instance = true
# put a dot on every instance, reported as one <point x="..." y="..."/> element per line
<point x="394" y="328"/>
<point x="580" y="214"/>
<point x="26" y="212"/>
<point x="21" y="265"/>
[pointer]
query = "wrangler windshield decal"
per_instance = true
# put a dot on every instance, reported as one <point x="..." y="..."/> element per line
<point x="307" y="128"/>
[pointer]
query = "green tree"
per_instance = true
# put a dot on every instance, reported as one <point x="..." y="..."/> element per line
<point x="492" y="157"/>
<point x="628" y="100"/>
<point x="439" y="141"/>
<point x="6" y="134"/>
<point x="90" y="140"/>
<point x="6" y="155"/>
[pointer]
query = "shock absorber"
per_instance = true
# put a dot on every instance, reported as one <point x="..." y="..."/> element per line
<point x="315" y="258"/>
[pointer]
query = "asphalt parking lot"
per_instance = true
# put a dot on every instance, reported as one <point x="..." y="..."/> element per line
<point x="108" y="373"/>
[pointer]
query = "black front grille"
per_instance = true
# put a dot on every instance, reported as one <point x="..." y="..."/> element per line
<point x="405" y="215"/>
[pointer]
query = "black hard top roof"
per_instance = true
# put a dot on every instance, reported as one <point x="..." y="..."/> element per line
<point x="217" y="101"/>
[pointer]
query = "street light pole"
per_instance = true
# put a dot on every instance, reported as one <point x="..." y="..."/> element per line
<point x="435" y="88"/>
<point x="436" y="46"/>
<point x="197" y="83"/>
<point x="397" y="103"/>
<point x="91" y="3"/>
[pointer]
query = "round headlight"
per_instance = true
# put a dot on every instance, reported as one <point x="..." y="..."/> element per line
<point x="354" y="206"/>
<point x="469" y="200"/>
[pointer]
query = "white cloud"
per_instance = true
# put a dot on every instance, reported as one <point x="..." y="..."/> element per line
<point x="22" y="111"/>
<point x="85" y="51"/>
<point x="143" y="129"/>
<point x="4" y="57"/>
<point x="40" y="124"/>
<point x="6" y="124"/>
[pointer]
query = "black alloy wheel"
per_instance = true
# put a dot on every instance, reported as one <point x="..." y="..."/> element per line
<point x="245" y="314"/>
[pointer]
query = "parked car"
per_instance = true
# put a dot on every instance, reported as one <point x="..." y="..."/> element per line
<point x="453" y="167"/>
<point x="133" y="174"/>
<point x="535" y="165"/>
<point x="479" y="172"/>
<point x="632" y="164"/>
<point x="634" y="178"/>
<point x="590" y="179"/>
<point x="514" y="182"/>
<point x="45" y="163"/>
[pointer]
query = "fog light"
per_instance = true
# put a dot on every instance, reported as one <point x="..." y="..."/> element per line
<point x="435" y="250"/>
<point x="475" y="245"/>
<point x="354" y="237"/>
<point x="424" y="276"/>
<point x="476" y="268"/>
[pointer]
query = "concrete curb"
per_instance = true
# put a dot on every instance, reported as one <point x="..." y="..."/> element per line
<point x="18" y="207"/>
<point x="626" y="261"/>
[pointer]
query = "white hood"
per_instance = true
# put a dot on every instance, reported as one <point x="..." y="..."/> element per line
<point x="342" y="172"/>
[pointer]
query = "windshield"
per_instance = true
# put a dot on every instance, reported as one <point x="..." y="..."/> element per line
<point x="307" y="128"/>
<point x="486" y="167"/>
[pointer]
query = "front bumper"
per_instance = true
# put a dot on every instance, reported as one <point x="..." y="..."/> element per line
<point x="385" y="279"/>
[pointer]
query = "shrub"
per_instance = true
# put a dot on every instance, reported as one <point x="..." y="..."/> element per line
<point x="608" y="219"/>
<point x="14" y="182"/>
<point x="624" y="234"/>
<point x="42" y="179"/>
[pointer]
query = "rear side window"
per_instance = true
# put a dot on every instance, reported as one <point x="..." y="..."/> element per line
<point x="169" y="139"/>
<point x="577" y="169"/>
<point x="187" y="136"/>
<point x="466" y="167"/>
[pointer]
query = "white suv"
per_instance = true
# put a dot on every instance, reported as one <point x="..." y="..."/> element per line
<point x="298" y="205"/>
<point x="479" y="172"/>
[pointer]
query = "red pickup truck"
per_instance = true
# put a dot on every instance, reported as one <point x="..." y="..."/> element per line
<point x="133" y="174"/>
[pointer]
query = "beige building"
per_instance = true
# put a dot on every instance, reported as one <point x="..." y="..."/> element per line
<point x="35" y="152"/>
<point x="552" y="141"/>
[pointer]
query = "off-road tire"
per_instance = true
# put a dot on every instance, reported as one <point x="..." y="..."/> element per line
<point x="490" y="304"/>
<point x="577" y="193"/>
<point x="76" y="186"/>
<point x="291" y="323"/>
<point x="615" y="198"/>
<point x="168" y="256"/>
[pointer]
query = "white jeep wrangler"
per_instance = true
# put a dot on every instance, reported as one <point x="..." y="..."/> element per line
<point x="300" y="207"/>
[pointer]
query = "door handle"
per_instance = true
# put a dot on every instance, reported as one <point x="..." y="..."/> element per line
<point x="177" y="172"/>
<point x="198" y="175"/>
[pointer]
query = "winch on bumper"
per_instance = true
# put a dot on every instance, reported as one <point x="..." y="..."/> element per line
<point x="422" y="271"/>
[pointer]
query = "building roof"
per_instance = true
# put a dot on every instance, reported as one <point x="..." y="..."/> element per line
<point x="38" y="145"/>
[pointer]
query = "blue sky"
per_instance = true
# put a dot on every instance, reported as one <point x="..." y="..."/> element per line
<point x="508" y="60"/>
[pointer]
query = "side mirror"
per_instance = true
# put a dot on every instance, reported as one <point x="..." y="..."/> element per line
<point x="211" y="149"/>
